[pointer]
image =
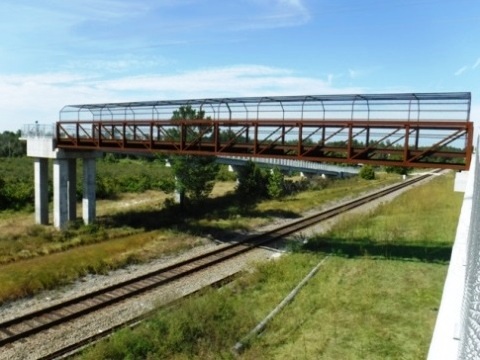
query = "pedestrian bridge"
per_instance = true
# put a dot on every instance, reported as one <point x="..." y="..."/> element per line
<point x="430" y="130"/>
<point x="416" y="130"/>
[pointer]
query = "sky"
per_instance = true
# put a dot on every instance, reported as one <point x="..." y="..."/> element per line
<point x="55" y="52"/>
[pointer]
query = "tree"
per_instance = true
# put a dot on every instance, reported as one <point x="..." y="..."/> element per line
<point x="10" y="144"/>
<point x="194" y="175"/>
<point x="252" y="182"/>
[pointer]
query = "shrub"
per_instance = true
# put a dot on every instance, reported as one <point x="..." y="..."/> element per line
<point x="225" y="175"/>
<point x="276" y="184"/>
<point x="252" y="182"/>
<point x="367" y="172"/>
<point x="398" y="170"/>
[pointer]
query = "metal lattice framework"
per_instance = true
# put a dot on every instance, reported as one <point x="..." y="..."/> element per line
<point x="418" y="130"/>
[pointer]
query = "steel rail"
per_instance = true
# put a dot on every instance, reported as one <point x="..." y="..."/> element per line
<point x="37" y="321"/>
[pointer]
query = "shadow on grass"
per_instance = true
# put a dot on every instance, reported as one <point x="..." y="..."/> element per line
<point x="173" y="216"/>
<point x="426" y="252"/>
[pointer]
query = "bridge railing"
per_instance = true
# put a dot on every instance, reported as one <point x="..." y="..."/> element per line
<point x="38" y="131"/>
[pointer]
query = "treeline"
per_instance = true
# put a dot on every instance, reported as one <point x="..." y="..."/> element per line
<point x="11" y="145"/>
<point x="17" y="179"/>
<point x="122" y="175"/>
<point x="16" y="182"/>
<point x="115" y="175"/>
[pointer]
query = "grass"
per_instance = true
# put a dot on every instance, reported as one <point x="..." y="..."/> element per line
<point x="23" y="278"/>
<point x="418" y="224"/>
<point x="34" y="258"/>
<point x="358" y="306"/>
<point x="232" y="217"/>
<point x="352" y="309"/>
<point x="358" y="309"/>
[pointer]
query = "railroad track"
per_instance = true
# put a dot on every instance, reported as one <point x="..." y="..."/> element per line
<point x="41" y="320"/>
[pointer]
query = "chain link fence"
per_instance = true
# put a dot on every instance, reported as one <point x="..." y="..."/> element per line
<point x="470" y="322"/>
<point x="457" y="329"/>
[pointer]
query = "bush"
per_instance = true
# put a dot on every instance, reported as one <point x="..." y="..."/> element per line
<point x="252" y="182"/>
<point x="225" y="175"/>
<point x="398" y="170"/>
<point x="276" y="184"/>
<point x="367" y="172"/>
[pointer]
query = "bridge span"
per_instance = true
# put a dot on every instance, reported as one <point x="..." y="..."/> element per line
<point x="430" y="130"/>
<point x="415" y="130"/>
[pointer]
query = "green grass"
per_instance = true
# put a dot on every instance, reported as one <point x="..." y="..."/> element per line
<point x="28" y="251"/>
<point x="419" y="224"/>
<point x="358" y="309"/>
<point x="232" y="217"/>
<point x="359" y="305"/>
<point x="352" y="309"/>
<point x="27" y="277"/>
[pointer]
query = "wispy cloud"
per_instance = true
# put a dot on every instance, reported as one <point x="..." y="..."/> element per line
<point x="356" y="73"/>
<point x="42" y="96"/>
<point x="273" y="14"/>
<point x="477" y="63"/>
<point x="461" y="70"/>
<point x="353" y="73"/>
<point x="118" y="65"/>
<point x="240" y="80"/>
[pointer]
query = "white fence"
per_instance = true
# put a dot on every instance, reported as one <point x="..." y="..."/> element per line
<point x="457" y="330"/>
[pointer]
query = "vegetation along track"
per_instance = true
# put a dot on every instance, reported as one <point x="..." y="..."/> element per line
<point x="35" y="322"/>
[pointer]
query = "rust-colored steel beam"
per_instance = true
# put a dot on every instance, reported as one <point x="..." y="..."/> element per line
<point x="441" y="144"/>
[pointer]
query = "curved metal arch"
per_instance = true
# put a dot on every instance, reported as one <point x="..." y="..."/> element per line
<point x="433" y="103"/>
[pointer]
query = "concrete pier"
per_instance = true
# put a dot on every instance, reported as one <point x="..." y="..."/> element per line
<point x="89" y="197"/>
<point x="64" y="182"/>
<point x="72" y="189"/>
<point x="41" y="190"/>
<point x="60" y="193"/>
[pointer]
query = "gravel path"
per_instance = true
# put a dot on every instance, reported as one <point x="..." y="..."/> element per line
<point x="44" y="343"/>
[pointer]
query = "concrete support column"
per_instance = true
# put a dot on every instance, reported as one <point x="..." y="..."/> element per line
<point x="72" y="189"/>
<point x="178" y="197"/>
<point x="60" y="193"/>
<point x="41" y="190"/>
<point x="89" y="198"/>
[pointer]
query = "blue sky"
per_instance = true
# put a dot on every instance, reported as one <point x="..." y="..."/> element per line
<point x="57" y="52"/>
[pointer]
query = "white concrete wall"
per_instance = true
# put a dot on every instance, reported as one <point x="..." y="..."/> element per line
<point x="450" y="329"/>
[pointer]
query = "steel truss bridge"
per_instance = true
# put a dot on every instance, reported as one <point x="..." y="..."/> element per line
<point x="414" y="130"/>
